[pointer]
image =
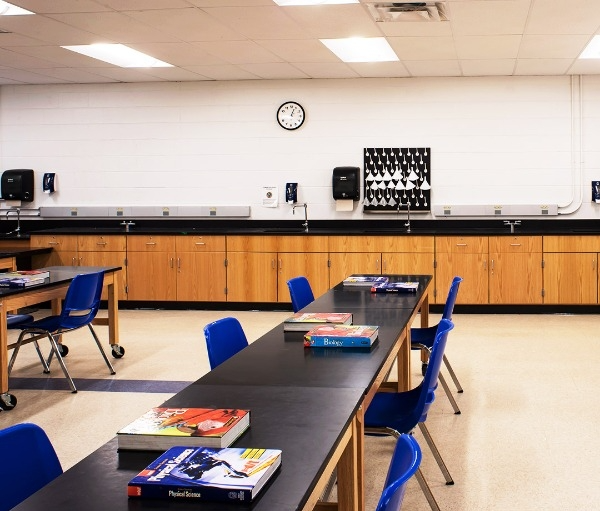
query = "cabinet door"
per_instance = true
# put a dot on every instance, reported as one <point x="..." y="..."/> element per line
<point x="251" y="277"/>
<point x="313" y="266"/>
<point x="108" y="259"/>
<point x="570" y="278"/>
<point x="344" y="264"/>
<point x="151" y="276"/>
<point x="466" y="257"/>
<point x="201" y="276"/>
<point x="516" y="278"/>
<point x="64" y="251"/>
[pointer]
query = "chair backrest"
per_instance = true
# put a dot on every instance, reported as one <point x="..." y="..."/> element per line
<point x="29" y="462"/>
<point x="300" y="292"/>
<point x="405" y="462"/>
<point x="451" y="300"/>
<point x="224" y="338"/>
<point x="430" y="380"/>
<point x="82" y="300"/>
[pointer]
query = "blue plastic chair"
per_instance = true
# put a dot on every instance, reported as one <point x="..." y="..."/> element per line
<point x="405" y="463"/>
<point x="395" y="413"/>
<point x="224" y="338"/>
<point x="80" y="307"/>
<point x="29" y="462"/>
<point x="300" y="292"/>
<point x="422" y="339"/>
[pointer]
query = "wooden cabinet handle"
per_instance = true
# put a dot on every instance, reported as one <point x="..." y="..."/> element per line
<point x="171" y="262"/>
<point x="101" y="243"/>
<point x="200" y="243"/>
<point x="461" y="244"/>
<point x="179" y="263"/>
<point x="53" y="243"/>
<point x="515" y="244"/>
<point x="151" y="243"/>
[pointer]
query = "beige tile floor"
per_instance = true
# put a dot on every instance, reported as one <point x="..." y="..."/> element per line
<point x="526" y="439"/>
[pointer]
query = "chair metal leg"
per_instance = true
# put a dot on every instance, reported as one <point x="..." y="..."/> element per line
<point x="453" y="375"/>
<point x="61" y="362"/>
<point x="426" y="490"/>
<point x="16" y="352"/>
<point x="436" y="453"/>
<point x="110" y="367"/>
<point x="442" y="380"/>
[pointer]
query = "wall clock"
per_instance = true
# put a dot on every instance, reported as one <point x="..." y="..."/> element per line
<point x="290" y="115"/>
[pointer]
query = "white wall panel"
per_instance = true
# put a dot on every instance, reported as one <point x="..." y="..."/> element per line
<point x="493" y="140"/>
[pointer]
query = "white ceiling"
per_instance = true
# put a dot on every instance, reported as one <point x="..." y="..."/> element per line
<point x="256" y="39"/>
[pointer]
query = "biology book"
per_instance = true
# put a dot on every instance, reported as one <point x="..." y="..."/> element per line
<point x="305" y="321"/>
<point x="341" y="336"/>
<point x="161" y="428"/>
<point x="204" y="473"/>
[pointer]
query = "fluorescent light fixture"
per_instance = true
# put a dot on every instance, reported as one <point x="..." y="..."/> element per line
<point x="592" y="50"/>
<point x="285" y="3"/>
<point x="118" y="54"/>
<point x="7" y="9"/>
<point x="361" y="49"/>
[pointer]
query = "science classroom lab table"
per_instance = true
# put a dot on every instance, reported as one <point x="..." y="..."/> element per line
<point x="308" y="402"/>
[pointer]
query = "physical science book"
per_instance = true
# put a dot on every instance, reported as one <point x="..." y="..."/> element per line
<point x="203" y="473"/>
<point x="395" y="287"/>
<point x="341" y="336"/>
<point x="363" y="280"/>
<point x="16" y="280"/>
<point x="305" y="321"/>
<point x="161" y="428"/>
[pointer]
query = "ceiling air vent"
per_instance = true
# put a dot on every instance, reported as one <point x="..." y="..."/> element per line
<point x="408" y="11"/>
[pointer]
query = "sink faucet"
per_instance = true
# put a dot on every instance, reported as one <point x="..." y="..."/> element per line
<point x="512" y="224"/>
<point x="407" y="224"/>
<point x="127" y="225"/>
<point x="305" y="206"/>
<point x="18" y="229"/>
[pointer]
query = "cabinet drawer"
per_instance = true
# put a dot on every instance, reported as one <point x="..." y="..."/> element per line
<point x="303" y="244"/>
<point x="351" y="244"/>
<point x="97" y="243"/>
<point x="571" y="243"/>
<point x="200" y="243"/>
<point x="151" y="243"/>
<point x="252" y="243"/>
<point x="56" y="241"/>
<point x="462" y="244"/>
<point x="406" y="243"/>
<point x="515" y="244"/>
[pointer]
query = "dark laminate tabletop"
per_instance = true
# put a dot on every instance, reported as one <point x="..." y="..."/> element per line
<point x="292" y="419"/>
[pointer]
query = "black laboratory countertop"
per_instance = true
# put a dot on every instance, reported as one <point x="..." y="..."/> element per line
<point x="185" y="226"/>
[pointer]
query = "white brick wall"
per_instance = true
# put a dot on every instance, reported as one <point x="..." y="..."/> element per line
<point x="493" y="140"/>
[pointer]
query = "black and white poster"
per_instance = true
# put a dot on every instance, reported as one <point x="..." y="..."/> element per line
<point x="397" y="177"/>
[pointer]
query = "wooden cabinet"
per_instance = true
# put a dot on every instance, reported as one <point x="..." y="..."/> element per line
<point x="515" y="269"/>
<point x="64" y="251"/>
<point x="571" y="269"/>
<point x="302" y="255"/>
<point x="405" y="254"/>
<point x="466" y="257"/>
<point x="200" y="264"/>
<point x="151" y="273"/>
<point x="258" y="267"/>
<point x="102" y="250"/>
<point x="251" y="268"/>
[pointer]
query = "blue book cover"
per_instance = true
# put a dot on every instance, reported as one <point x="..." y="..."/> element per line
<point x="203" y="473"/>
<point x="364" y="280"/>
<point x="341" y="336"/>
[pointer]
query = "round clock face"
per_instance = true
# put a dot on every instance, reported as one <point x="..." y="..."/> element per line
<point x="290" y="115"/>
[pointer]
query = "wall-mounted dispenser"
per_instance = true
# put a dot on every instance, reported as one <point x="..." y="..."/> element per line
<point x="49" y="182"/>
<point x="596" y="191"/>
<point x="17" y="184"/>
<point x="291" y="193"/>
<point x="345" y="183"/>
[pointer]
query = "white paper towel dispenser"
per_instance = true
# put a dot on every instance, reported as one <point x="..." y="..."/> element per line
<point x="345" y="183"/>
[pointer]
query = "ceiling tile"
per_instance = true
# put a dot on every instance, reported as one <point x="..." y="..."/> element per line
<point x="311" y="50"/>
<point x="542" y="66"/>
<point x="433" y="68"/>
<point x="239" y="52"/>
<point x="423" y="48"/>
<point x="487" y="47"/>
<point x="275" y="71"/>
<point x="496" y="67"/>
<point x="329" y="70"/>
<point x="552" y="47"/>
<point x="563" y="17"/>
<point x="488" y="17"/>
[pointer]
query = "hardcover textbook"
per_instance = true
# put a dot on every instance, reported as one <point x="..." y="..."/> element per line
<point x="304" y="321"/>
<point x="363" y="280"/>
<point x="161" y="428"/>
<point x="341" y="336"/>
<point x="229" y="474"/>
<point x="17" y="280"/>
<point x="395" y="287"/>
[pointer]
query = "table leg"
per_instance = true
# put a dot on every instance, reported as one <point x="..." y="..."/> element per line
<point x="3" y="350"/>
